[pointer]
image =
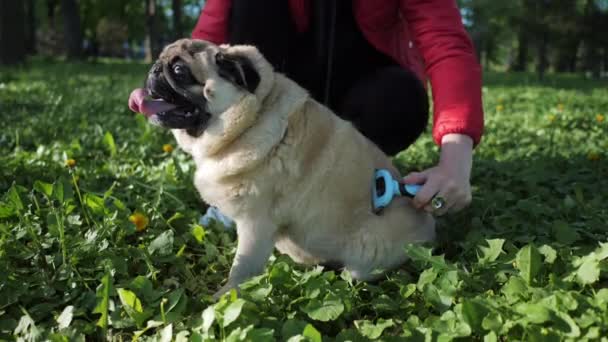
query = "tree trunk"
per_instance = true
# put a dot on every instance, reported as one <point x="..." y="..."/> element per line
<point x="567" y="56"/>
<point x="542" y="54"/>
<point x="521" y="63"/>
<point x="543" y="39"/>
<point x="605" y="69"/>
<point x="50" y="11"/>
<point x="72" y="28"/>
<point x="30" y="45"/>
<point x="152" y="39"/>
<point x="12" y="32"/>
<point x="178" y="30"/>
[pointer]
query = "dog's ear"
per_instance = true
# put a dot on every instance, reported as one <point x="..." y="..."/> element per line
<point x="238" y="69"/>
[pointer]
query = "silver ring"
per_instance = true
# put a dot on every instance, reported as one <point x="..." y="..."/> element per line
<point x="437" y="202"/>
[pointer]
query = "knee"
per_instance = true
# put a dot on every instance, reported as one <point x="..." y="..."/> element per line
<point x="390" y="107"/>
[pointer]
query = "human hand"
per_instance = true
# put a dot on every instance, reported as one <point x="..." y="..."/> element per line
<point x="450" y="179"/>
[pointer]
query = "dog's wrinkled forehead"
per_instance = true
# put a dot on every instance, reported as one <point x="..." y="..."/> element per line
<point x="188" y="51"/>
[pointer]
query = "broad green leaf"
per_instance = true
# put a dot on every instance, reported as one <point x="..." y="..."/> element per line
<point x="166" y="334"/>
<point x="548" y="253"/>
<point x="490" y="337"/>
<point x="535" y="313"/>
<point x="108" y="140"/>
<point x="493" y="321"/>
<point x="58" y="190"/>
<point x="162" y="244"/>
<point x="528" y="262"/>
<point x="198" y="232"/>
<point x="565" y="233"/>
<point x="566" y="324"/>
<point x="371" y="330"/>
<point x="144" y="288"/>
<point x="601" y="252"/>
<point x="232" y="312"/>
<point x="44" y="188"/>
<point x="183" y="336"/>
<point x="311" y="333"/>
<point x="515" y="289"/>
<point x="64" y="320"/>
<point x="490" y="254"/>
<point x="328" y="309"/>
<point x="250" y="334"/>
<point x="474" y="312"/>
<point x="426" y="277"/>
<point x="174" y="299"/>
<point x="7" y="210"/>
<point x="103" y="298"/>
<point x="408" y="290"/>
<point x="419" y="253"/>
<point x="293" y="327"/>
<point x="132" y="306"/>
<point x="437" y="297"/>
<point x="149" y="325"/>
<point x="129" y="299"/>
<point x="27" y="328"/>
<point x="14" y="198"/>
<point x="351" y="335"/>
<point x="601" y="297"/>
<point x="208" y="318"/>
<point x="95" y="203"/>
<point x="260" y="335"/>
<point x="588" y="272"/>
<point x="119" y="204"/>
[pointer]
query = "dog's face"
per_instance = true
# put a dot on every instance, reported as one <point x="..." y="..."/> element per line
<point x="194" y="81"/>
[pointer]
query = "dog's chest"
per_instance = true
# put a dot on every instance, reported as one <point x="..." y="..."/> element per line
<point x="233" y="195"/>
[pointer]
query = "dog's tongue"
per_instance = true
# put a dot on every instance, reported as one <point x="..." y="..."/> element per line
<point x="140" y="103"/>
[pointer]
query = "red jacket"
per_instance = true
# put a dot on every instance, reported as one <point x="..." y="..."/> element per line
<point x="426" y="36"/>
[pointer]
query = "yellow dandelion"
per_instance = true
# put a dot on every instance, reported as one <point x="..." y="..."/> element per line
<point x="139" y="220"/>
<point x="560" y="107"/>
<point x="593" y="156"/>
<point x="499" y="108"/>
<point x="551" y="117"/>
<point x="70" y="163"/>
<point x="600" y="118"/>
<point x="167" y="148"/>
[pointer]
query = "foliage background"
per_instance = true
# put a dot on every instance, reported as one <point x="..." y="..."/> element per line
<point x="99" y="223"/>
<point x="527" y="261"/>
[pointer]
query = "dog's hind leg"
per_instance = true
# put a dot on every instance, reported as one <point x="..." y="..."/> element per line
<point x="379" y="244"/>
<point x="254" y="246"/>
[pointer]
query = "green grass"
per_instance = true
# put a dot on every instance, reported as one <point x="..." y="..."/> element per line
<point x="527" y="261"/>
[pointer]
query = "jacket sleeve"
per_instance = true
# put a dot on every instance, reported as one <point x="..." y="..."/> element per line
<point x="212" y="24"/>
<point x="451" y="65"/>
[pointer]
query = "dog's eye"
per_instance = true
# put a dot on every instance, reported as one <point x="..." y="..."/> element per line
<point x="182" y="74"/>
<point x="179" y="70"/>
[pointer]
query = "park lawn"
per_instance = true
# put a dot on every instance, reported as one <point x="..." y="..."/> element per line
<point x="99" y="236"/>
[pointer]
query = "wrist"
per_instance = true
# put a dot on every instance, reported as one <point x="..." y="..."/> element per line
<point x="457" y="153"/>
<point x="458" y="139"/>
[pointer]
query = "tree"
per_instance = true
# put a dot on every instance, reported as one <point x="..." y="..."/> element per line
<point x="30" y="35"/>
<point x="152" y="41"/>
<point x="72" y="28"/>
<point x="542" y="37"/>
<point x="178" y="29"/>
<point x="12" y="32"/>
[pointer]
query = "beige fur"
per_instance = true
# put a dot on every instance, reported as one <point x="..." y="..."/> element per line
<point x="296" y="177"/>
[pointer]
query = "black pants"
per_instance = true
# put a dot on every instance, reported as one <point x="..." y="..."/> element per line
<point x="337" y="65"/>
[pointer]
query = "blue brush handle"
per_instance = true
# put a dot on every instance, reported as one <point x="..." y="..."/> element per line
<point x="409" y="190"/>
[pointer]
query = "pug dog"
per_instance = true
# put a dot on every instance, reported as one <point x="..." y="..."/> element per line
<point x="288" y="171"/>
